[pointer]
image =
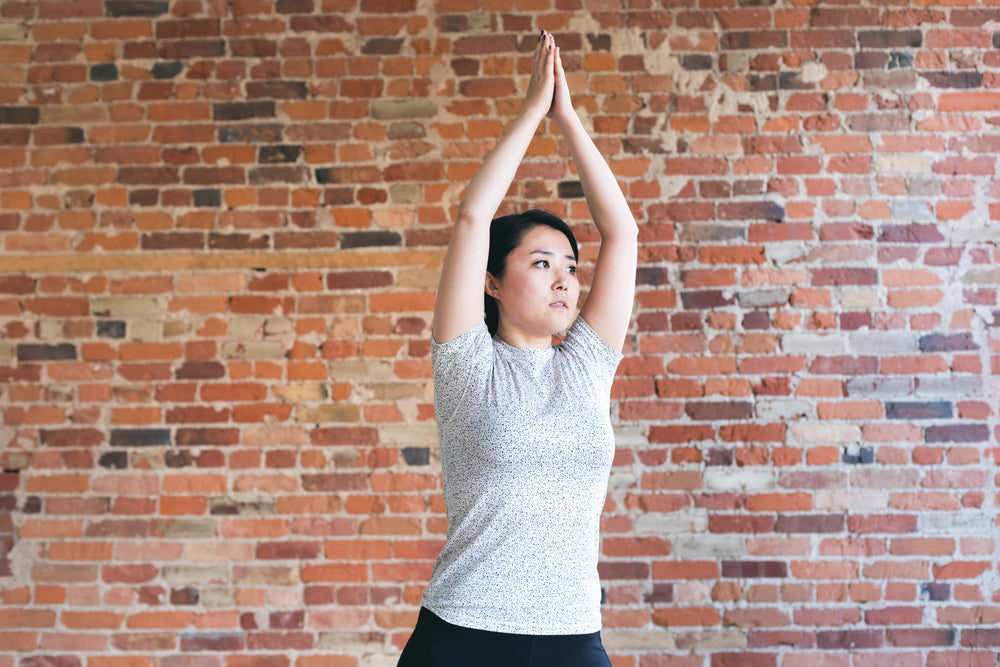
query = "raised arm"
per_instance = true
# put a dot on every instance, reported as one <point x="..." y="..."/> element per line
<point x="609" y="305"/>
<point x="459" y="304"/>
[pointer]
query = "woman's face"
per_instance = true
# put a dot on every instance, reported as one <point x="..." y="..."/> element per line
<point x="538" y="292"/>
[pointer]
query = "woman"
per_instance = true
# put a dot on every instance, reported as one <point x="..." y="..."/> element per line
<point x="524" y="428"/>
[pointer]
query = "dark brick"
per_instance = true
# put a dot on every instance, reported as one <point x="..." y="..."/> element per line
<point x="19" y="115"/>
<point x="687" y="321"/>
<point x="382" y="46"/>
<point x="697" y="61"/>
<point x="764" y="210"/>
<point x="110" y="329"/>
<point x="652" y="275"/>
<point x="918" y="410"/>
<point x="283" y="174"/>
<point x="282" y="90"/>
<point x="17" y="284"/>
<point x="452" y="22"/>
<point x="238" y="241"/>
<point x="215" y="641"/>
<point x="119" y="8"/>
<point x="144" y="197"/>
<point x="184" y="48"/>
<point x="754" y="39"/>
<point x="137" y="437"/>
<point x="947" y="343"/>
<point x="277" y="154"/>
<point x="900" y="59"/>
<point x="965" y="79"/>
<point x="957" y="433"/>
<point x="184" y="596"/>
<point x="325" y="175"/>
<point x="250" y="134"/>
<point x="294" y="6"/>
<point x="981" y="637"/>
<point x="211" y="197"/>
<point x="369" y="239"/>
<point x="793" y="81"/>
<point x="358" y="279"/>
<point x="388" y="6"/>
<point x="810" y="523"/>
<point x="912" y="233"/>
<point x="763" y="82"/>
<point x="934" y="591"/>
<point x="253" y="48"/>
<point x="718" y="410"/>
<point x="178" y="458"/>
<point x="416" y="456"/>
<point x="50" y="660"/>
<point x="719" y="456"/>
<point x="72" y="437"/>
<point x="44" y="352"/>
<point x="619" y="570"/>
<point x="864" y="455"/>
<point x="752" y="569"/>
<point x="242" y="110"/>
<point x="570" y="190"/>
<point x="662" y="592"/>
<point x="855" y="320"/>
<point x="113" y="460"/>
<point x="21" y="136"/>
<point x="148" y="175"/>
<point x="706" y="299"/>
<point x="173" y="241"/>
<point x="167" y="70"/>
<point x="200" y="370"/>
<point x="104" y="72"/>
<point x="887" y="39"/>
<point x="207" y="436"/>
<point x="870" y="60"/>
<point x="849" y="639"/>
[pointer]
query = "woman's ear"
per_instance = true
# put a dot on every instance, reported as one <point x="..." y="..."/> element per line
<point x="492" y="286"/>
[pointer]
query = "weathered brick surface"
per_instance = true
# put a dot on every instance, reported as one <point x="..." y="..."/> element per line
<point x="220" y="227"/>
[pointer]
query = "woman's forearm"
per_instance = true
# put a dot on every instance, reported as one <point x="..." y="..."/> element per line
<point x="487" y="188"/>
<point x="608" y="207"/>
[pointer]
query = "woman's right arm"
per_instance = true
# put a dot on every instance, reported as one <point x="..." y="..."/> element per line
<point x="459" y="305"/>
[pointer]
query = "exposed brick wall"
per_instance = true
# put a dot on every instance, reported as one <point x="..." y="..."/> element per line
<point x="221" y="226"/>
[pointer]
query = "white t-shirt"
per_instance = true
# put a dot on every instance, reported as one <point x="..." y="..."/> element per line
<point x="526" y="449"/>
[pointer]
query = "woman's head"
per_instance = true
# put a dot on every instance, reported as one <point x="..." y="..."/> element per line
<point x="507" y="233"/>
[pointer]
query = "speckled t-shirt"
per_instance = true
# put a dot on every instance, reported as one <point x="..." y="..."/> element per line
<point x="526" y="448"/>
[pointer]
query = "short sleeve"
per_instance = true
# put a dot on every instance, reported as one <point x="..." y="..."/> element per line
<point x="457" y="364"/>
<point x="588" y="344"/>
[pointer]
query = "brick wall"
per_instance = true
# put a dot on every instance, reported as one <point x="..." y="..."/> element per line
<point x="221" y="228"/>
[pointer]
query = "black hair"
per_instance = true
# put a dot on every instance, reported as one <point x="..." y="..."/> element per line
<point x="506" y="234"/>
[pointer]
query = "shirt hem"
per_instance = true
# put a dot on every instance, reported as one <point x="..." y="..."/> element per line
<point x="511" y="628"/>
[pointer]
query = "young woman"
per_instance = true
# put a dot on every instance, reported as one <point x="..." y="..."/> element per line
<point x="524" y="428"/>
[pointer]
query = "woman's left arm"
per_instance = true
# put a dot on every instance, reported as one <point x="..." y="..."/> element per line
<point x="609" y="305"/>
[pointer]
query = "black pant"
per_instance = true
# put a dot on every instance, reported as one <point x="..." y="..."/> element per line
<point x="437" y="643"/>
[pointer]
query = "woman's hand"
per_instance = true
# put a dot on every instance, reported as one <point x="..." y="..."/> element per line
<point x="562" y="106"/>
<point x="538" y="100"/>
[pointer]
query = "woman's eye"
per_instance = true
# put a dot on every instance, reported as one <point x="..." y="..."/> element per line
<point x="572" y="269"/>
<point x="542" y="263"/>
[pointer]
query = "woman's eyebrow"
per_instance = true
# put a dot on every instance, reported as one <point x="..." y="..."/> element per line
<point x="549" y="253"/>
